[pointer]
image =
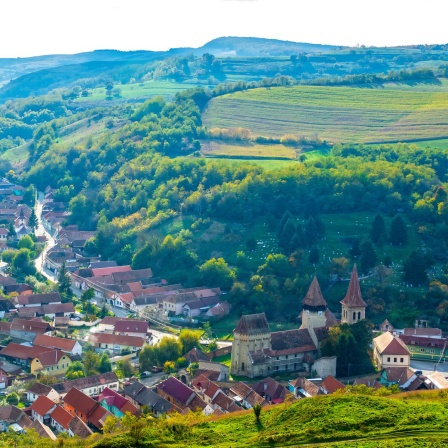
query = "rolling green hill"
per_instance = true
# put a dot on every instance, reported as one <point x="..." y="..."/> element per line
<point x="336" y="114"/>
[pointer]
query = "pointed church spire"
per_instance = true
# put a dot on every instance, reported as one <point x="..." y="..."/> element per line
<point x="353" y="297"/>
<point x="314" y="298"/>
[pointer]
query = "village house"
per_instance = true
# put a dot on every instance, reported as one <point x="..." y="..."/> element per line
<point x="22" y="354"/>
<point x="424" y="332"/>
<point x="54" y="362"/>
<point x="182" y="396"/>
<point x="424" y="348"/>
<point x="27" y="330"/>
<point x="173" y="304"/>
<point x="390" y="351"/>
<point x="64" y="422"/>
<point x="32" y="300"/>
<point x="4" y="234"/>
<point x="437" y="380"/>
<point x="369" y="382"/>
<point x="245" y="395"/>
<point x="19" y="288"/>
<point x="3" y="379"/>
<point x="6" y="307"/>
<point x="205" y="388"/>
<point x="14" y="418"/>
<point x="404" y="377"/>
<point x="330" y="385"/>
<point x="224" y="404"/>
<point x="70" y="346"/>
<point x="116" y="343"/>
<point x="140" y="395"/>
<point x="132" y="327"/>
<point x="41" y="409"/>
<point x="37" y="390"/>
<point x="90" y="385"/>
<point x="386" y="326"/>
<point x="116" y="404"/>
<point x="303" y="388"/>
<point x="87" y="409"/>
<point x="272" y="391"/>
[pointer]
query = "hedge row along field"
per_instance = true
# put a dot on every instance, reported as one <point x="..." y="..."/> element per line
<point x="336" y="114"/>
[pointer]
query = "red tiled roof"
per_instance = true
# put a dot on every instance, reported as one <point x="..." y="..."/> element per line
<point x="51" y="357"/>
<point x="176" y="389"/>
<point x="116" y="339"/>
<point x="131" y="326"/>
<point x="37" y="299"/>
<point x="67" y="345"/>
<point x="387" y="344"/>
<point x="32" y="326"/>
<point x="353" y="297"/>
<point x="101" y="272"/>
<point x="5" y="326"/>
<point x="61" y="416"/>
<point x="112" y="398"/>
<point x="331" y="384"/>
<point x="80" y="401"/>
<point x="252" y="324"/>
<point x="314" y="297"/>
<point x="18" y="351"/>
<point x="42" y="405"/>
<point x="423" y="332"/>
<point x="58" y="308"/>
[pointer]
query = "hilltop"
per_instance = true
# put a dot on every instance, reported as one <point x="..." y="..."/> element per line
<point x="411" y="420"/>
<point x="256" y="47"/>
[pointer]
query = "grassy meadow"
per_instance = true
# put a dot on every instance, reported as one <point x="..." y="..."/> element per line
<point x="137" y="91"/>
<point x="246" y="150"/>
<point x="335" y="114"/>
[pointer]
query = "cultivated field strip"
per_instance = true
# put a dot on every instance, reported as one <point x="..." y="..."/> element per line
<point x="335" y="114"/>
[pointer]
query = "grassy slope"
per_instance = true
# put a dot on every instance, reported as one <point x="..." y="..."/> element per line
<point x="248" y="150"/>
<point x="140" y="91"/>
<point x="326" y="421"/>
<point x="337" y="114"/>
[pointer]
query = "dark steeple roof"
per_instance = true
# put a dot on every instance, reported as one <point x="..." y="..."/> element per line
<point x="314" y="300"/>
<point x="253" y="324"/>
<point x="353" y="297"/>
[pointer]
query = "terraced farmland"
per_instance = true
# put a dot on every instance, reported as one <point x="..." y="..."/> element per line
<point x="336" y="114"/>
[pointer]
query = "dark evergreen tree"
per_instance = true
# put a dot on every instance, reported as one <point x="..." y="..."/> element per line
<point x="286" y="216"/>
<point x="33" y="222"/>
<point x="355" y="249"/>
<point x="311" y="234"/>
<point x="298" y="240"/>
<point x="320" y="227"/>
<point x="314" y="256"/>
<point x="64" y="284"/>
<point x="378" y="233"/>
<point x="415" y="268"/>
<point x="368" y="255"/>
<point x="398" y="231"/>
<point x="285" y="240"/>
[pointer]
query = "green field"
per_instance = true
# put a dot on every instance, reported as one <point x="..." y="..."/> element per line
<point x="137" y="91"/>
<point x="335" y="114"/>
<point x="248" y="150"/>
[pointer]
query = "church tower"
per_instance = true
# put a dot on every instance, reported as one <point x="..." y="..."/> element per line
<point x="314" y="308"/>
<point x="353" y="307"/>
<point x="251" y="338"/>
